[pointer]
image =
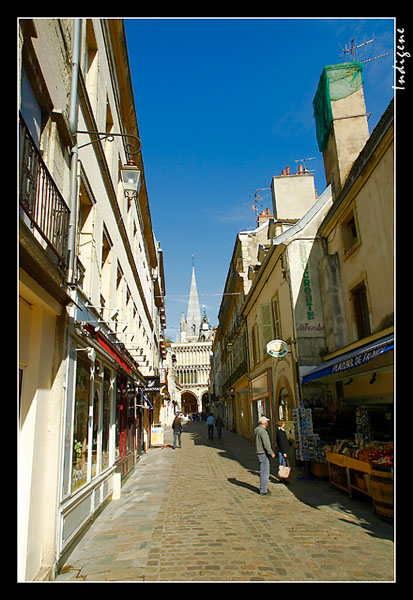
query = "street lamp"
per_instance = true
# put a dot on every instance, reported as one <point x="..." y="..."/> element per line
<point x="131" y="179"/>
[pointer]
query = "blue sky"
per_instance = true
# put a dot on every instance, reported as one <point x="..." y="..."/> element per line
<point x="223" y="105"/>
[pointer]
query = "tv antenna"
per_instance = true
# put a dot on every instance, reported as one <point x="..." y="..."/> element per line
<point x="352" y="49"/>
<point x="303" y="161"/>
<point x="258" y="199"/>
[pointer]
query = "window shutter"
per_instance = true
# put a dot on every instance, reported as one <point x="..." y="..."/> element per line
<point x="266" y="324"/>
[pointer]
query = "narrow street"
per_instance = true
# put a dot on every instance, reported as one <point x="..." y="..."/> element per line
<point x="195" y="514"/>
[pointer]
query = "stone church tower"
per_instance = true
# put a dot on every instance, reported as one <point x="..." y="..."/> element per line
<point x="192" y="355"/>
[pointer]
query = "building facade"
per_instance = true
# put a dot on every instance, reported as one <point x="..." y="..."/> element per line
<point x="357" y="269"/>
<point x="191" y="358"/>
<point x="320" y="283"/>
<point x="92" y="315"/>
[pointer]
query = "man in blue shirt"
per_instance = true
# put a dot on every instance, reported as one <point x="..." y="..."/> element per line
<point x="210" y="423"/>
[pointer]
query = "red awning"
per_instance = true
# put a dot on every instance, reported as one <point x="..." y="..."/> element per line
<point x="116" y="355"/>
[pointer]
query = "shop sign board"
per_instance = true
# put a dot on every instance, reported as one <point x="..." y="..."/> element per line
<point x="157" y="436"/>
<point x="351" y="359"/>
<point x="153" y="384"/>
<point x="277" y="348"/>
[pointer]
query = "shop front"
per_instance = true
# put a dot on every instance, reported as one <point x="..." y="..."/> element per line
<point x="348" y="414"/>
<point x="103" y="429"/>
<point x="242" y="413"/>
<point x="262" y="400"/>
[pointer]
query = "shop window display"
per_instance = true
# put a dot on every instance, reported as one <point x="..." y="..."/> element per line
<point x="95" y="431"/>
<point x="80" y="428"/>
<point x="106" y="420"/>
<point x="283" y="408"/>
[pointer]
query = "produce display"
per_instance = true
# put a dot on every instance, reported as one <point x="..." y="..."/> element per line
<point x="374" y="453"/>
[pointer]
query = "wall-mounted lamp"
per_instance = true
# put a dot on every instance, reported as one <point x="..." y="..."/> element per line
<point x="91" y="352"/>
<point x="131" y="179"/>
<point x="373" y="378"/>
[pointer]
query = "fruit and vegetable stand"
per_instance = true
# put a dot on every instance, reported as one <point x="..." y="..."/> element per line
<point x="368" y="470"/>
<point x="353" y="473"/>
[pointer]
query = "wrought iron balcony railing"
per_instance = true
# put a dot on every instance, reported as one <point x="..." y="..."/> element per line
<point x="40" y="198"/>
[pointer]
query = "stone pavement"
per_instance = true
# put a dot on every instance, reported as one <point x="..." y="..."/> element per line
<point x="195" y="514"/>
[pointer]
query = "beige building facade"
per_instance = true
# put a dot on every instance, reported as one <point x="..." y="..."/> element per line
<point x="319" y="278"/>
<point x="91" y="285"/>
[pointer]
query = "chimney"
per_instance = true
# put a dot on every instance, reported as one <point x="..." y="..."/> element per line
<point x="288" y="170"/>
<point x="341" y="120"/>
<point x="292" y="196"/>
<point x="263" y="217"/>
<point x="300" y="169"/>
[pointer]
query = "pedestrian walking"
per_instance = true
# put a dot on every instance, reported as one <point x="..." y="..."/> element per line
<point x="219" y="424"/>
<point x="282" y="444"/>
<point x="177" y="429"/>
<point x="264" y="452"/>
<point x="210" y="422"/>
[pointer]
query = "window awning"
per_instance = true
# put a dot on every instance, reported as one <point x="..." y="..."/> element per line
<point x="116" y="355"/>
<point x="351" y="360"/>
<point x="148" y="404"/>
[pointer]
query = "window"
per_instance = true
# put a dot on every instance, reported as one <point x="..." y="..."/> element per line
<point x="109" y="144"/>
<point x="267" y="325"/>
<point x="283" y="405"/>
<point x="91" y="64"/>
<point x="95" y="428"/>
<point x="349" y="232"/>
<point x="119" y="276"/>
<point x="106" y="265"/>
<point x="276" y="318"/>
<point x="361" y="311"/>
<point x="255" y="345"/>
<point x="80" y="427"/>
<point x="106" y="420"/>
<point x="106" y="246"/>
<point x="30" y="108"/>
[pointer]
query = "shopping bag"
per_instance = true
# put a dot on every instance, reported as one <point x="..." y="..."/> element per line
<point x="284" y="470"/>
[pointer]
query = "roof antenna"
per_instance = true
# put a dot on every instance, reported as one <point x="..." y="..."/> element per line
<point x="352" y="49"/>
<point x="258" y="200"/>
<point x="303" y="161"/>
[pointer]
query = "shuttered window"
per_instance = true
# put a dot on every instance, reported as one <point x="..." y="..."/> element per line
<point x="267" y="325"/>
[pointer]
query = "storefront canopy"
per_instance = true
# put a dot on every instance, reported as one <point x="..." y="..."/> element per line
<point x="351" y="360"/>
<point x="148" y="404"/>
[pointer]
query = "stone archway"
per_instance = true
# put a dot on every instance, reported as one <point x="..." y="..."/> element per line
<point x="189" y="403"/>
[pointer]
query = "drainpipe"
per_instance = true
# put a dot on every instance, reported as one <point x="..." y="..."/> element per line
<point x="73" y="117"/>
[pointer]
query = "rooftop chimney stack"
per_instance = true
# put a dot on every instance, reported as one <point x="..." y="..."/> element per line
<point x="341" y="120"/>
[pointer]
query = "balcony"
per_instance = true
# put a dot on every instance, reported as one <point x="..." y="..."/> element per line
<point x="42" y="205"/>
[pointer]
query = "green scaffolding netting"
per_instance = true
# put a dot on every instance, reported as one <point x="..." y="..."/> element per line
<point x="336" y="82"/>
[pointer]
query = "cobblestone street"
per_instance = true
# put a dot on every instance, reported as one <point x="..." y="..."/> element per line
<point x="195" y="514"/>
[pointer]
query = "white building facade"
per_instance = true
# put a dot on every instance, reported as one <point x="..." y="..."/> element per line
<point x="191" y="357"/>
<point x="91" y="285"/>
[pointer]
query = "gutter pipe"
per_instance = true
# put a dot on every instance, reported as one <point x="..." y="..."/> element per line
<point x="73" y="119"/>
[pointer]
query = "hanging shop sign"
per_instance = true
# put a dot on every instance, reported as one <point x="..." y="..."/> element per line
<point x="153" y="384"/>
<point x="277" y="348"/>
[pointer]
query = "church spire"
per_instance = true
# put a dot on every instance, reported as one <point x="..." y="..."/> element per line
<point x="193" y="318"/>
